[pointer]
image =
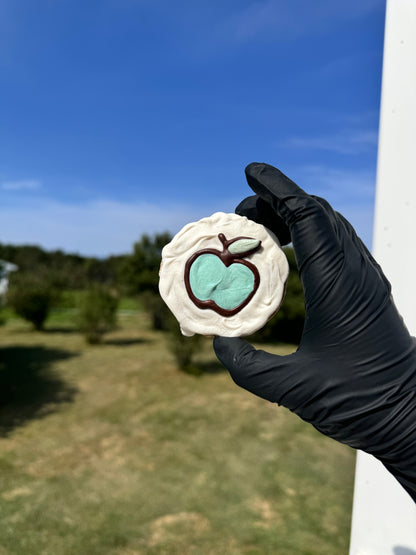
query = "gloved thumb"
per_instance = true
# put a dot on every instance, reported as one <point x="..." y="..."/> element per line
<point x="261" y="373"/>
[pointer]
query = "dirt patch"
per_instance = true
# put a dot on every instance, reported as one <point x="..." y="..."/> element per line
<point x="169" y="527"/>
<point x="266" y="513"/>
<point x="14" y="493"/>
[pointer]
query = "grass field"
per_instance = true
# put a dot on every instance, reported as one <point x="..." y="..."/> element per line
<point x="112" y="450"/>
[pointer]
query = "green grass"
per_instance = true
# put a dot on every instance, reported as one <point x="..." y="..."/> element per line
<point x="71" y="299"/>
<point x="112" y="450"/>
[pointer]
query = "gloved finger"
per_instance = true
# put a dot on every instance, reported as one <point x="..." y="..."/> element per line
<point x="313" y="228"/>
<point x="289" y="202"/>
<point x="363" y="251"/>
<point x="266" y="375"/>
<point x="284" y="196"/>
<point x="258" y="210"/>
<point x="359" y="260"/>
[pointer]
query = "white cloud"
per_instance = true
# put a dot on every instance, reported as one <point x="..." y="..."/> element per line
<point x="347" y="185"/>
<point x="22" y="184"/>
<point x="104" y="227"/>
<point x="97" y="228"/>
<point x="346" y="142"/>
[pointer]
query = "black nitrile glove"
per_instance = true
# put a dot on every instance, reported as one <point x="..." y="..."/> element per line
<point x="354" y="374"/>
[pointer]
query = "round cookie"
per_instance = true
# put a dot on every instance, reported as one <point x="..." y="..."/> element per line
<point x="224" y="275"/>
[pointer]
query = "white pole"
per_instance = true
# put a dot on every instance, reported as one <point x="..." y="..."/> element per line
<point x="384" y="516"/>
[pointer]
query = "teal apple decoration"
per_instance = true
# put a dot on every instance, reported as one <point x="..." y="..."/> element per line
<point x="223" y="280"/>
<point x="228" y="286"/>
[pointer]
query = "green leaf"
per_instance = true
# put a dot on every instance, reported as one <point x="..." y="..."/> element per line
<point x="243" y="245"/>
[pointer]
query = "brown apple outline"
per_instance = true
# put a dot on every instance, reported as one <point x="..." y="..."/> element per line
<point x="227" y="259"/>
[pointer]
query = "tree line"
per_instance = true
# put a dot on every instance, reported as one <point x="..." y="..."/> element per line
<point x="46" y="275"/>
<point x="130" y="273"/>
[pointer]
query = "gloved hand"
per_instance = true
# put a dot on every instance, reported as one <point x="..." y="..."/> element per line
<point x="354" y="374"/>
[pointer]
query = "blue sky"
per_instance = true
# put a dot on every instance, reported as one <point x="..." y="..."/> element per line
<point x="123" y="117"/>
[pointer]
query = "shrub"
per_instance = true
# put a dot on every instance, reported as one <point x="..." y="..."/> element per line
<point x="98" y="313"/>
<point x="31" y="299"/>
<point x="184" y="349"/>
<point x="159" y="313"/>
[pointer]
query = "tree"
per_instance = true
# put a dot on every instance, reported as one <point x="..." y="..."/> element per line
<point x="140" y="271"/>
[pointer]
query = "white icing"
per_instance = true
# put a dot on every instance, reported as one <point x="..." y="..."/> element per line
<point x="269" y="259"/>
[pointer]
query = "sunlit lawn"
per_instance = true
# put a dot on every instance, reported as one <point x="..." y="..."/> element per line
<point x="112" y="450"/>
